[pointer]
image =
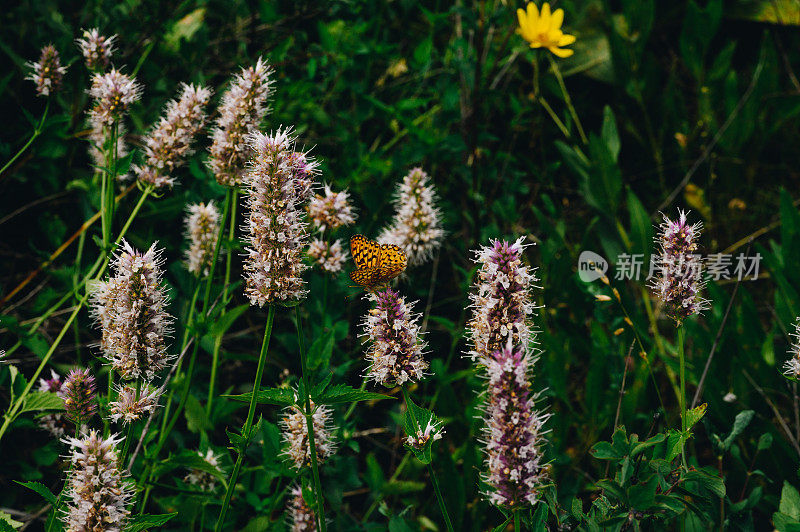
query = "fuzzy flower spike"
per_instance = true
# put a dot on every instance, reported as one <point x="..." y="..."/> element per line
<point x="202" y="228"/>
<point x="502" y="347"/>
<point x="295" y="434"/>
<point x="417" y="226"/>
<point x="169" y="143"/>
<point x="113" y="93"/>
<point x="98" y="495"/>
<point x="791" y="367"/>
<point x="96" y="49"/>
<point x="47" y="72"/>
<point x="680" y="281"/>
<point x="301" y="517"/>
<point x="276" y="226"/>
<point x="242" y="109"/>
<point x="396" y="346"/>
<point x="131" y="308"/>
<point x="80" y="396"/>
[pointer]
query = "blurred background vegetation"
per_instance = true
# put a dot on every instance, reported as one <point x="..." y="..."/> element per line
<point x="685" y="105"/>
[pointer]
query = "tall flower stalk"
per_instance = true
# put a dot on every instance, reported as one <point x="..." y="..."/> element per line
<point x="678" y="285"/>
<point x="502" y="346"/>
<point x="395" y="349"/>
<point x="277" y="185"/>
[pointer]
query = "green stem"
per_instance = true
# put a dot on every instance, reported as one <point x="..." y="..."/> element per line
<point x="248" y="424"/>
<point x="568" y="100"/>
<point x="352" y="406"/>
<point x="230" y="207"/>
<point x="36" y="133"/>
<point x="310" y="424"/>
<point x="682" y="361"/>
<point x="516" y="521"/>
<point x="434" y="481"/>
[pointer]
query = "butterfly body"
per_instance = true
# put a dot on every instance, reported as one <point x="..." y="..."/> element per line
<point x="376" y="264"/>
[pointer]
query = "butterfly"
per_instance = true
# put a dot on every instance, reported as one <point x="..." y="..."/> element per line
<point x="376" y="264"/>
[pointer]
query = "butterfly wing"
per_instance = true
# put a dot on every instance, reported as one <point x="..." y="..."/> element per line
<point x="393" y="262"/>
<point x="366" y="277"/>
<point x="366" y="253"/>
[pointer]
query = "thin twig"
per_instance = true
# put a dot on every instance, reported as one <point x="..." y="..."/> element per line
<point x="430" y="292"/>
<point x="785" y="428"/>
<point x="622" y="388"/>
<point x="699" y="389"/>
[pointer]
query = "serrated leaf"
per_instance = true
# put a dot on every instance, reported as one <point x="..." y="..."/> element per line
<point x="268" y="396"/>
<point x="694" y="415"/>
<point x="41" y="489"/>
<point x="342" y="393"/>
<point x="416" y="420"/>
<point x="196" y="418"/>
<point x="38" y="401"/>
<point x="790" y="501"/>
<point x="139" y="523"/>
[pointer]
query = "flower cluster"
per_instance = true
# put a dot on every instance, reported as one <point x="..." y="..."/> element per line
<point x="132" y="405"/>
<point x="295" y="434"/>
<point x="97" y="493"/>
<point x="791" y="368"/>
<point x="396" y="344"/>
<point x="47" y="72"/>
<point x="169" y="143"/>
<point x="80" y="396"/>
<point x="204" y="480"/>
<point x="331" y="211"/>
<point x="96" y="49"/>
<point x="679" y="281"/>
<point x="202" y="229"/>
<point x="543" y="29"/>
<point x="113" y="94"/>
<point x="242" y="109"/>
<point x="329" y="257"/>
<point x="502" y="339"/>
<point x="501" y="302"/>
<point x="274" y="260"/>
<point x="433" y="431"/>
<point x="417" y="226"/>
<point x="301" y="517"/>
<point x="55" y="423"/>
<point x="131" y="310"/>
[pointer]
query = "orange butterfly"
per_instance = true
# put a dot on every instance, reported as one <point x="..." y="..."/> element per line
<point x="376" y="264"/>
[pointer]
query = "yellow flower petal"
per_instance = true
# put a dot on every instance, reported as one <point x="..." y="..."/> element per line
<point x="533" y="13"/>
<point x="545" y="15"/>
<point x="561" y="52"/>
<point x="536" y="44"/>
<point x="566" y="40"/>
<point x="521" y="17"/>
<point x="558" y="19"/>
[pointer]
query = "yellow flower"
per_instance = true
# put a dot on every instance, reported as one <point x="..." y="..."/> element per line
<point x="543" y="30"/>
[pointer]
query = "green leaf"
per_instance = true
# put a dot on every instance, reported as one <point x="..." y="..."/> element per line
<point x="184" y="28"/>
<point x="614" y="489"/>
<point x="7" y="524"/>
<point x="694" y="415"/>
<point x="342" y="393"/>
<point x="268" y="396"/>
<point x="416" y="420"/>
<point x="319" y="354"/>
<point x="41" y="489"/>
<point x="38" y="401"/>
<point x="711" y="482"/>
<point x="790" y="501"/>
<point x="609" y="134"/>
<point x="655" y="440"/>
<point x="765" y="441"/>
<point x="604" y="451"/>
<point x="641" y="228"/>
<point x="196" y="418"/>
<point x="226" y="320"/>
<point x="743" y="419"/>
<point x="139" y="523"/>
